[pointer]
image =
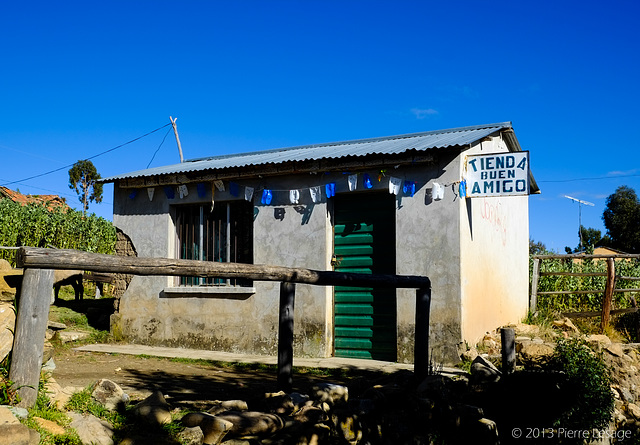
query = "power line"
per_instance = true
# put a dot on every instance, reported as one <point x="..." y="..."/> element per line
<point x="156" y="152"/>
<point x="590" y="179"/>
<point x="91" y="157"/>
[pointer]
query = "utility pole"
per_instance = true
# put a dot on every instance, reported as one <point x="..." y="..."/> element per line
<point x="580" y="202"/>
<point x="175" y="131"/>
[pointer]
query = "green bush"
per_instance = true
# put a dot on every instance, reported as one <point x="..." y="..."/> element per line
<point x="587" y="386"/>
<point x="33" y="225"/>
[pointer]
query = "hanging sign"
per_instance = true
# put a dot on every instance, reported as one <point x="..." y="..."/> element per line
<point x="498" y="174"/>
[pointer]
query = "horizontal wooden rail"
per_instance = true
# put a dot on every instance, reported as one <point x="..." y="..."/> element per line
<point x="582" y="292"/>
<point x="38" y="264"/>
<point x="578" y="256"/>
<point x="574" y="274"/>
<point x="40" y="258"/>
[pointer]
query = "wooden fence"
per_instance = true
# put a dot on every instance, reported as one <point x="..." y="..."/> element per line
<point x="608" y="291"/>
<point x="35" y="296"/>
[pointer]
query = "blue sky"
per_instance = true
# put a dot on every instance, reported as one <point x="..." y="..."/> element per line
<point x="81" y="78"/>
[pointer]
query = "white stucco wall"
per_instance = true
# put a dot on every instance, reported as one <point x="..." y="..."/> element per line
<point x="494" y="234"/>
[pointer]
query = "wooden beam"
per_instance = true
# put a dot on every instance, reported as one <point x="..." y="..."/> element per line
<point x="589" y="314"/>
<point x="421" y="341"/>
<point x="285" y="337"/>
<point x="535" y="276"/>
<point x="31" y="325"/>
<point x="40" y="258"/>
<point x="608" y="294"/>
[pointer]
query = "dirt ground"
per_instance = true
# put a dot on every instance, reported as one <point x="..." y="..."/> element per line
<point x="186" y="385"/>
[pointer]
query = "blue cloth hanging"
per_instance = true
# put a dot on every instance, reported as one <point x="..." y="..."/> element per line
<point x="170" y="192"/>
<point x="330" y="189"/>
<point x="202" y="189"/>
<point x="133" y="194"/>
<point x="234" y="189"/>
<point x="409" y="188"/>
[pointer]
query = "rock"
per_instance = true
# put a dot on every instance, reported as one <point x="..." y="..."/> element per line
<point x="154" y="409"/>
<point x="483" y="371"/>
<point x="69" y="336"/>
<point x="252" y="423"/>
<point x="349" y="426"/>
<point x="488" y="432"/>
<point x="7" y="327"/>
<point x="6" y="416"/>
<point x="54" y="325"/>
<point x="213" y="428"/>
<point x="227" y="405"/>
<point x="49" y="426"/>
<point x="18" y="434"/>
<point x="469" y="355"/>
<point x="91" y="430"/>
<point x="598" y="341"/>
<point x="525" y="329"/>
<point x="191" y="436"/>
<point x="536" y="354"/>
<point x="614" y="349"/>
<point x="330" y="393"/>
<point x="633" y="410"/>
<point x="18" y="412"/>
<point x="309" y="414"/>
<point x="109" y="394"/>
<point x="566" y="325"/>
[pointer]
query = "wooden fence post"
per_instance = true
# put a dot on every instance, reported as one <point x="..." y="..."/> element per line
<point x="508" y="340"/>
<point x="421" y="345"/>
<point x="533" y="301"/>
<point x="31" y="326"/>
<point x="285" y="336"/>
<point x="608" y="293"/>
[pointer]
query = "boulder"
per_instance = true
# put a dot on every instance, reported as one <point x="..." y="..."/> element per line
<point x="109" y="394"/>
<point x="535" y="355"/>
<point x="330" y="393"/>
<point x="154" y="409"/>
<point x="213" y="428"/>
<point x="7" y="327"/>
<point x="483" y="371"/>
<point x="566" y="324"/>
<point x="91" y="430"/>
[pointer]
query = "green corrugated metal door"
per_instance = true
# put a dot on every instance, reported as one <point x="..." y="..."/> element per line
<point x="364" y="242"/>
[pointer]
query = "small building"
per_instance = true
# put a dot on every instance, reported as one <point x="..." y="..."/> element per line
<point x="51" y="202"/>
<point x="383" y="205"/>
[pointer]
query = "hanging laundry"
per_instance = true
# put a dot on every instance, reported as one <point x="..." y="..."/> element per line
<point x="183" y="190"/>
<point x="234" y="189"/>
<point x="219" y="185"/>
<point x="267" y="196"/>
<point x="394" y="185"/>
<point x="353" y="182"/>
<point x="437" y="191"/>
<point x="409" y="188"/>
<point x="316" y="194"/>
<point x="294" y="196"/>
<point x="248" y="194"/>
<point x="168" y="190"/>
<point x="133" y="194"/>
<point x="150" y="192"/>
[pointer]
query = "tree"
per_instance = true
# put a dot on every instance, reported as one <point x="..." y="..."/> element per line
<point x="621" y="217"/>
<point x="83" y="178"/>
<point x="589" y="238"/>
<point x="536" y="248"/>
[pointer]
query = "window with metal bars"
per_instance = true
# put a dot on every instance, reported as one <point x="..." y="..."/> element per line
<point x="223" y="234"/>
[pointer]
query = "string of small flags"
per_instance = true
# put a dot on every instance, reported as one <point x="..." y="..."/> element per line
<point x="316" y="193"/>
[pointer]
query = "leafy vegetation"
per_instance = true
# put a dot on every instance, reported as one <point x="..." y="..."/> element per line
<point x="36" y="226"/>
<point x="621" y="217"/>
<point x="588" y="384"/>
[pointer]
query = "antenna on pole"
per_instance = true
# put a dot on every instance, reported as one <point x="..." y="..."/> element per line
<point x="580" y="203"/>
<point x="175" y="131"/>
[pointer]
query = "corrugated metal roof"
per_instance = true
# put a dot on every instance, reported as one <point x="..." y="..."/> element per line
<point x="454" y="137"/>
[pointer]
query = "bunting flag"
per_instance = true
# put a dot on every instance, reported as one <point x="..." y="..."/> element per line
<point x="462" y="189"/>
<point x="394" y="185"/>
<point x="133" y="194"/>
<point x="234" y="189"/>
<point x="248" y="194"/>
<point x="330" y="189"/>
<point x="367" y="181"/>
<point x="150" y="192"/>
<point x="168" y="190"/>
<point x="353" y="181"/>
<point x="409" y="188"/>
<point x="183" y="190"/>
<point x="219" y="185"/>
<point x="266" y="196"/>
<point x="202" y="190"/>
<point x="316" y="194"/>
<point x="294" y="196"/>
